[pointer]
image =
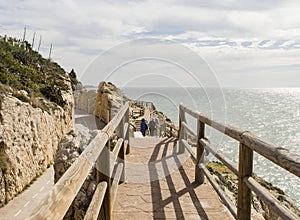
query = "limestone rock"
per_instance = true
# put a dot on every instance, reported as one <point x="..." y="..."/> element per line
<point x="28" y="140"/>
<point x="85" y="100"/>
<point x="108" y="101"/>
<point x="68" y="151"/>
<point x="2" y="188"/>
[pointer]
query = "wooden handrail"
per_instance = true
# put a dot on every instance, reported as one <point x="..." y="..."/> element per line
<point x="65" y="190"/>
<point x="248" y="143"/>
<point x="94" y="208"/>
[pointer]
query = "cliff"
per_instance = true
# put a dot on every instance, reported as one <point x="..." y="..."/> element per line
<point x="36" y="110"/>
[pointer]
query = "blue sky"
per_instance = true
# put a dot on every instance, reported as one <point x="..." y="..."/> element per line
<point x="245" y="43"/>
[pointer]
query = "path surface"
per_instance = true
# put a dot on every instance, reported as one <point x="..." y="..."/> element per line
<point x="158" y="187"/>
<point x="22" y="206"/>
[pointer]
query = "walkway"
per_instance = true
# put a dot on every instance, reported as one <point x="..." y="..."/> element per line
<point x="158" y="187"/>
<point x="24" y="204"/>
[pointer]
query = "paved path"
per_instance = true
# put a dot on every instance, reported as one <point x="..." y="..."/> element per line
<point x="159" y="187"/>
<point x="25" y="203"/>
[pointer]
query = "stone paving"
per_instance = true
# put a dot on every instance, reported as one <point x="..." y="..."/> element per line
<point x="158" y="186"/>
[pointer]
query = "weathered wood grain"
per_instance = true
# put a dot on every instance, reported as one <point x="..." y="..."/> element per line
<point x="190" y="150"/>
<point x="228" y="163"/>
<point x="115" y="184"/>
<point x="269" y="199"/>
<point x="231" y="207"/>
<point x="199" y="175"/>
<point x="244" y="193"/>
<point x="94" y="208"/>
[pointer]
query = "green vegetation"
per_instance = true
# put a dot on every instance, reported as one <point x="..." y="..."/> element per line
<point x="227" y="179"/>
<point x="27" y="70"/>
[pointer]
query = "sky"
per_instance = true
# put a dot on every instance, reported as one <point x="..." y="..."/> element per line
<point x="228" y="43"/>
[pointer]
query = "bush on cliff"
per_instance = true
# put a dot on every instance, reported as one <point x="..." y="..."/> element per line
<point x="27" y="70"/>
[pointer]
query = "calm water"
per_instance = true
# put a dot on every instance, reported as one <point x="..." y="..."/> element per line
<point x="273" y="114"/>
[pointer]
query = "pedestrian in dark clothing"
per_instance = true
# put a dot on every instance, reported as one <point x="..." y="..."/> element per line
<point x="144" y="127"/>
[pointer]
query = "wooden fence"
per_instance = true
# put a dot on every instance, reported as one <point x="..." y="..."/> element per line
<point x="247" y="144"/>
<point x="98" y="154"/>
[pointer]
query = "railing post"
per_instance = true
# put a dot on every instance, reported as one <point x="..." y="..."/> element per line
<point x="121" y="154"/>
<point x="181" y="133"/>
<point x="127" y="132"/>
<point x="199" y="174"/>
<point x="103" y="174"/>
<point x="244" y="193"/>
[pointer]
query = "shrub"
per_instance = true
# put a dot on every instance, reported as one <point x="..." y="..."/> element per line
<point x="27" y="70"/>
<point x="21" y="97"/>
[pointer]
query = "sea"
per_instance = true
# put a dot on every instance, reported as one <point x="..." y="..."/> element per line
<point x="270" y="113"/>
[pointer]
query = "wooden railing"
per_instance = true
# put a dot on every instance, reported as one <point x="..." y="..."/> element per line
<point x="145" y="104"/>
<point x="98" y="154"/>
<point x="247" y="144"/>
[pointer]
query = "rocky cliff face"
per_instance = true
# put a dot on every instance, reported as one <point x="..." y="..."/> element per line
<point x="29" y="137"/>
<point x="85" y="100"/>
<point x="108" y="101"/>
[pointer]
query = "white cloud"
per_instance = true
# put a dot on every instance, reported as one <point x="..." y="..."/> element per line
<point x="228" y="32"/>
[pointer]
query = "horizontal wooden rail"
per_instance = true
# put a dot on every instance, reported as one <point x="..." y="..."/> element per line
<point x="229" y="204"/>
<point x="58" y="201"/>
<point x="232" y="166"/>
<point x="188" y="129"/>
<point x="278" y="155"/>
<point x="248" y="143"/>
<point x="272" y="202"/>
<point x="190" y="150"/>
<point x="115" y="184"/>
<point x="95" y="206"/>
<point x="117" y="147"/>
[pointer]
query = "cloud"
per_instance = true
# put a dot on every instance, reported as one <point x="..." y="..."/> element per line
<point x="231" y="34"/>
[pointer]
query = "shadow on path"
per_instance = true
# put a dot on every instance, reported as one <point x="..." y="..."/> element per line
<point x="177" y="189"/>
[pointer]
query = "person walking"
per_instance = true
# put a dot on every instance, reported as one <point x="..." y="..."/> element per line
<point x="144" y="127"/>
<point x="152" y="127"/>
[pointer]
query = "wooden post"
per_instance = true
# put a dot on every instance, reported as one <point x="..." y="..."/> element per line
<point x="40" y="43"/>
<point x="199" y="174"/>
<point x="103" y="174"/>
<point x="50" y="52"/>
<point x="24" y="38"/>
<point x="181" y="133"/>
<point x="33" y="39"/>
<point x="127" y="132"/>
<point x="244" y="193"/>
<point x="121" y="154"/>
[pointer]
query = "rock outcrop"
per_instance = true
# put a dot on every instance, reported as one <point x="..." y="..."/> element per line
<point x="68" y="151"/>
<point x="29" y="137"/>
<point x="85" y="100"/>
<point x="108" y="101"/>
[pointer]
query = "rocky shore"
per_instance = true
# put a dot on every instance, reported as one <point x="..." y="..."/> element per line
<point x="229" y="183"/>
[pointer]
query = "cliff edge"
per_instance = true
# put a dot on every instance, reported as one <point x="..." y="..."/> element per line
<point x="36" y="110"/>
